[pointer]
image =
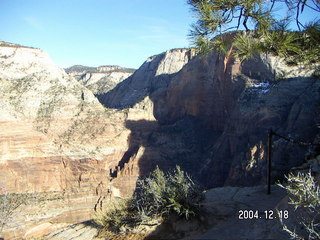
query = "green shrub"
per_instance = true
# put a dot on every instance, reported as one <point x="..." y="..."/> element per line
<point x="156" y="196"/>
<point x="161" y="194"/>
<point x="116" y="215"/>
<point x="304" y="195"/>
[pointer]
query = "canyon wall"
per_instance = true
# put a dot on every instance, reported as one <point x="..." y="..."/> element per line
<point x="59" y="146"/>
<point x="55" y="139"/>
<point x="214" y="117"/>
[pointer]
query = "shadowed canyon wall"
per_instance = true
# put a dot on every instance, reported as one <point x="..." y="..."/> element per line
<point x="214" y="118"/>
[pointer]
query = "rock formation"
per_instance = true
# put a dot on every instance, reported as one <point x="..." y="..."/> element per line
<point x="99" y="80"/>
<point x="56" y="138"/>
<point x="154" y="75"/>
<point x="214" y="119"/>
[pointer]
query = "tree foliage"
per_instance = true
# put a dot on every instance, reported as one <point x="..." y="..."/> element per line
<point x="304" y="193"/>
<point x="263" y="31"/>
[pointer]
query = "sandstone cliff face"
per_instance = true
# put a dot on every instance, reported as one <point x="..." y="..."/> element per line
<point x="42" y="96"/>
<point x="99" y="80"/>
<point x="55" y="137"/>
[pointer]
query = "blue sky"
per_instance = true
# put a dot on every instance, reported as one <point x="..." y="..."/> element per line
<point x="98" y="32"/>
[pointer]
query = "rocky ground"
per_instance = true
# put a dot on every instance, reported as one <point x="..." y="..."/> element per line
<point x="220" y="219"/>
<point x="224" y="205"/>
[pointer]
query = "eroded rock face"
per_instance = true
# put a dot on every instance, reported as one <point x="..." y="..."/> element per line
<point x="55" y="136"/>
<point x="38" y="94"/>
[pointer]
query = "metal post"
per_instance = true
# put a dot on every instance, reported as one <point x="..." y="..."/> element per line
<point x="270" y="133"/>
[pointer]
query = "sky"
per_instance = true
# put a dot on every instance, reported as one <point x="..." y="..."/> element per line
<point x="99" y="32"/>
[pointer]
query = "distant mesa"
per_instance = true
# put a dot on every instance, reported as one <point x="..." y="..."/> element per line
<point x="108" y="68"/>
<point x="102" y="79"/>
<point x="103" y="68"/>
<point x="79" y="69"/>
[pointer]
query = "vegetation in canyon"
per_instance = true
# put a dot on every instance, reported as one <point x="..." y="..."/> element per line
<point x="156" y="197"/>
<point x="9" y="202"/>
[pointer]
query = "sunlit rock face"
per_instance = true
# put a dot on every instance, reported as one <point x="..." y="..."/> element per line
<point x="42" y="96"/>
<point x="55" y="136"/>
<point x="99" y="80"/>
